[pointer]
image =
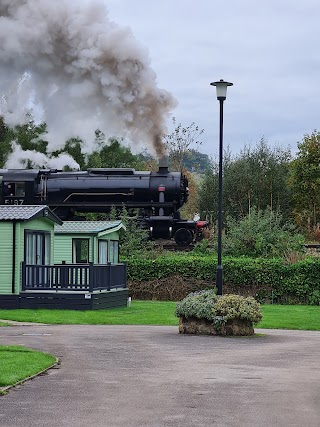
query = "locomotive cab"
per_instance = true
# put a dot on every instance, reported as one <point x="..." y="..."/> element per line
<point x="17" y="188"/>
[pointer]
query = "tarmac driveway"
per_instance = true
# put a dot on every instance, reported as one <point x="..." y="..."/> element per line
<point x="150" y="376"/>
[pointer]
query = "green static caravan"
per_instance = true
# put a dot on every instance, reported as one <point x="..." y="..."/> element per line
<point x="87" y="241"/>
<point x="33" y="276"/>
<point x="27" y="235"/>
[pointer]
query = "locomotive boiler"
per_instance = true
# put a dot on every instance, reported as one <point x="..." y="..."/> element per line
<point x="157" y="196"/>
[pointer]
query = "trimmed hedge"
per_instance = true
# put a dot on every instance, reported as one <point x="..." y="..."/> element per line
<point x="268" y="280"/>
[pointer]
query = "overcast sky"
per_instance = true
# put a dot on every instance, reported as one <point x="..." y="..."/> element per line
<point x="269" y="50"/>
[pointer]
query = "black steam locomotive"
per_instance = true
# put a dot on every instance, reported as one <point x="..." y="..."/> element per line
<point x="156" y="195"/>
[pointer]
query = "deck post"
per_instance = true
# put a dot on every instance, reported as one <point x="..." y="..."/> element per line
<point x="23" y="275"/>
<point x="91" y="277"/>
<point x="125" y="274"/>
<point x="109" y="276"/>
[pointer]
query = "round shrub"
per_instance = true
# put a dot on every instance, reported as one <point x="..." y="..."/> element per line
<point x="231" y="307"/>
<point x="198" y="305"/>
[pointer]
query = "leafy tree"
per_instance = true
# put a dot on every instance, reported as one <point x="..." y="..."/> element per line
<point x="208" y="194"/>
<point x="113" y="214"/>
<point x="270" y="170"/>
<point x="196" y="162"/>
<point x="29" y="136"/>
<point x="257" y="177"/>
<point x="305" y="182"/>
<point x="237" y="185"/>
<point x="6" y="136"/>
<point x="73" y="147"/>
<point x="114" y="155"/>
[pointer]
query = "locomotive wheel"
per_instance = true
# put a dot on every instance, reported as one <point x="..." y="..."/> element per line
<point x="183" y="237"/>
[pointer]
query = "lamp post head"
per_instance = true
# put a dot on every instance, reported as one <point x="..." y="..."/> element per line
<point x="221" y="87"/>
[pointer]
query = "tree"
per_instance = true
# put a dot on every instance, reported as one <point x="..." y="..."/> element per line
<point x="6" y="136"/>
<point x="179" y="143"/>
<point x="305" y="182"/>
<point x="114" y="155"/>
<point x="182" y="157"/>
<point x="255" y="178"/>
<point x="29" y="136"/>
<point x="73" y="147"/>
<point x="207" y="196"/>
<point x="195" y="161"/>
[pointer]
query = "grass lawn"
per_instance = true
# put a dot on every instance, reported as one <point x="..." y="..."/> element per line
<point x="303" y="317"/>
<point x="18" y="363"/>
<point x="140" y="313"/>
<point x="162" y="313"/>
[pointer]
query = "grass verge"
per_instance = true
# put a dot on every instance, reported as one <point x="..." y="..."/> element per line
<point x="162" y="313"/>
<point x="300" y="317"/>
<point x="19" y="363"/>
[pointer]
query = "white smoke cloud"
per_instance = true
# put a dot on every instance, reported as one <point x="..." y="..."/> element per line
<point x="84" y="72"/>
<point x="16" y="102"/>
<point x="20" y="159"/>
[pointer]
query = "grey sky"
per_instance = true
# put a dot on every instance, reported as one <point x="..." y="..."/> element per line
<point x="269" y="49"/>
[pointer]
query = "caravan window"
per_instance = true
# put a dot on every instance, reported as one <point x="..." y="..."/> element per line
<point x="80" y="251"/>
<point x="103" y="251"/>
<point x="114" y="251"/>
<point x="37" y="247"/>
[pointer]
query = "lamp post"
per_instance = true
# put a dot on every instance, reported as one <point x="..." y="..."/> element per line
<point x="221" y="87"/>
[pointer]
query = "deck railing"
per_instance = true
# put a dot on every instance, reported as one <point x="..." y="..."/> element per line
<point x="74" y="277"/>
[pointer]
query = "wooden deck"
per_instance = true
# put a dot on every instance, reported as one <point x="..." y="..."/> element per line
<point x="70" y="286"/>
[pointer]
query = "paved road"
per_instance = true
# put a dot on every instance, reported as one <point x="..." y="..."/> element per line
<point x="147" y="376"/>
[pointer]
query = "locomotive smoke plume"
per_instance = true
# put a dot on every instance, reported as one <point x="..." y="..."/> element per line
<point x="25" y="158"/>
<point x="83" y="70"/>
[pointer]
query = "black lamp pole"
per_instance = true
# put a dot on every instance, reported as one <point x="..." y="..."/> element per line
<point x="221" y="87"/>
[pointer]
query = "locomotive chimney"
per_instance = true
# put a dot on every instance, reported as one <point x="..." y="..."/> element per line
<point x="164" y="164"/>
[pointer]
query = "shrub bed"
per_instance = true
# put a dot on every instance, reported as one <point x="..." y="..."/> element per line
<point x="268" y="280"/>
<point x="208" y="314"/>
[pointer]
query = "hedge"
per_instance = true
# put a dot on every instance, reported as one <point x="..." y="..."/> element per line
<point x="268" y="280"/>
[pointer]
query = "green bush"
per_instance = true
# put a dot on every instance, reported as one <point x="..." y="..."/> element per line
<point x="197" y="304"/>
<point x="231" y="307"/>
<point x="261" y="234"/>
<point x="218" y="309"/>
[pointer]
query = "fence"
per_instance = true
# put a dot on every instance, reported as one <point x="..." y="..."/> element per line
<point x="74" y="277"/>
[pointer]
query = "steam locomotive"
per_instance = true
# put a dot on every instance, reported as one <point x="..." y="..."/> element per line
<point x="157" y="196"/>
